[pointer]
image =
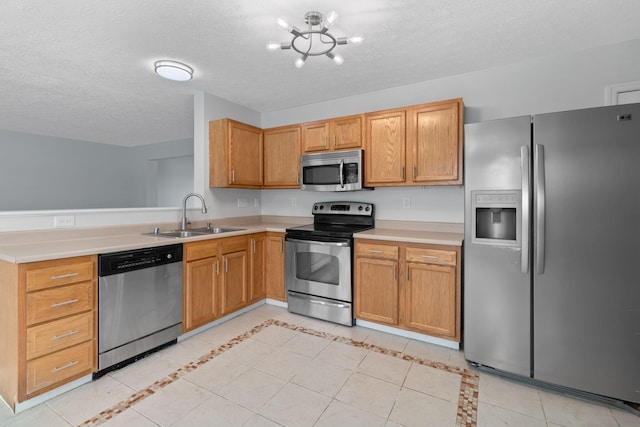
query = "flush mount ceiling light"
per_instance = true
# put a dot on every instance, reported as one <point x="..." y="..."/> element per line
<point x="173" y="70"/>
<point x="316" y="40"/>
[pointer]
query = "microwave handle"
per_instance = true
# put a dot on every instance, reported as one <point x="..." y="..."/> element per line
<point x="341" y="173"/>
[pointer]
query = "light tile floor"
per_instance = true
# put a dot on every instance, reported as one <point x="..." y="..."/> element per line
<point x="297" y="371"/>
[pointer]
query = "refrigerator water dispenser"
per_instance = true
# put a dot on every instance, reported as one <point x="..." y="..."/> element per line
<point x="496" y="217"/>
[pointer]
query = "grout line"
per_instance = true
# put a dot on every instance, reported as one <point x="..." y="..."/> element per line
<point x="467" y="402"/>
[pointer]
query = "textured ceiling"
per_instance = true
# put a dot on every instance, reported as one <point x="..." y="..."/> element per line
<point x="84" y="69"/>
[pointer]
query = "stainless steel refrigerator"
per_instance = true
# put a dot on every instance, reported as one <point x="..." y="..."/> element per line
<point x="552" y="248"/>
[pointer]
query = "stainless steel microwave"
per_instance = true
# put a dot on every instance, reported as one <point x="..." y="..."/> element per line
<point x="332" y="171"/>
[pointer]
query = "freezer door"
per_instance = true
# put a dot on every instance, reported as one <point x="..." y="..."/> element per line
<point x="497" y="294"/>
<point x="586" y="275"/>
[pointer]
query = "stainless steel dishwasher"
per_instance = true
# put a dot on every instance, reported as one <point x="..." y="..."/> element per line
<point x="139" y="304"/>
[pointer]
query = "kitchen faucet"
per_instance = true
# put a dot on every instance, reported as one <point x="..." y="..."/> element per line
<point x="183" y="221"/>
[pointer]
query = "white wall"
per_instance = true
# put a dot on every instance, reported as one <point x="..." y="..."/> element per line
<point x="556" y="83"/>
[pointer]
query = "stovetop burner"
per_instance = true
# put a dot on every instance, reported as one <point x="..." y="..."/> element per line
<point x="336" y="219"/>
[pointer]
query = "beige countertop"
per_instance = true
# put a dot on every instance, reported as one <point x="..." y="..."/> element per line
<point x="28" y="246"/>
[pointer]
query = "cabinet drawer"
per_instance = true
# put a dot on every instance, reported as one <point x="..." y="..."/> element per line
<point x="59" y="334"/>
<point x="200" y="250"/>
<point x="371" y="250"/>
<point x="234" y="244"/>
<point x="431" y="256"/>
<point x="57" y="367"/>
<point x="58" y="302"/>
<point x="62" y="274"/>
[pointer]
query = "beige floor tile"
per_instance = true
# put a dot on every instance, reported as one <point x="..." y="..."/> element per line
<point x="571" y="412"/>
<point x="145" y="372"/>
<point x="252" y="389"/>
<point x="435" y="382"/>
<point x="129" y="418"/>
<point x="494" y="416"/>
<point x="185" y="351"/>
<point x="260" y="421"/>
<point x="356" y="333"/>
<point x="307" y="345"/>
<point x="343" y="355"/>
<point x="40" y="415"/>
<point x="384" y="367"/>
<point x="218" y="335"/>
<point x="340" y="414"/>
<point x="283" y="363"/>
<point x="295" y="406"/>
<point x="5" y="413"/>
<point x="511" y="395"/>
<point x="626" y="418"/>
<point x="247" y="353"/>
<point x="369" y="394"/>
<point x="432" y="352"/>
<point x="274" y="335"/>
<point x="172" y="402"/>
<point x="456" y="358"/>
<point x="413" y="408"/>
<point x="215" y="412"/>
<point x="390" y="341"/>
<point x="89" y="399"/>
<point x="215" y="374"/>
<point x="322" y="377"/>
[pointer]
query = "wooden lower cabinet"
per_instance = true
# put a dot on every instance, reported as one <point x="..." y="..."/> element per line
<point x="257" y="267"/>
<point x="275" y="267"/>
<point x="409" y="286"/>
<point x="48" y="313"/>
<point x="215" y="279"/>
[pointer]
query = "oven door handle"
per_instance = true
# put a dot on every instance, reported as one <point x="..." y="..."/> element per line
<point x="316" y="242"/>
<point x="329" y="304"/>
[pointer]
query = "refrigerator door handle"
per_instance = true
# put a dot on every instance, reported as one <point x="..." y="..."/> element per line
<point x="526" y="208"/>
<point x="540" y="193"/>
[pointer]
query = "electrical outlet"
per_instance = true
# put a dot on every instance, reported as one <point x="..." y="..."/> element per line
<point x="256" y="202"/>
<point x="243" y="202"/>
<point x="64" y="221"/>
<point x="294" y="202"/>
<point x="406" y="202"/>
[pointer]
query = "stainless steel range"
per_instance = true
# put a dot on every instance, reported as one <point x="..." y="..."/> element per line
<point x="319" y="261"/>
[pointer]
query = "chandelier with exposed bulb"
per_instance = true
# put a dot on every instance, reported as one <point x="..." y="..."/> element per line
<point x="316" y="40"/>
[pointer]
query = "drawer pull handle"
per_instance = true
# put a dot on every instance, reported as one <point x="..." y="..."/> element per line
<point x="68" y="365"/>
<point x="64" y="276"/>
<point x="58" y="304"/>
<point x="68" y="334"/>
<point x="430" y="256"/>
<point x="375" y="251"/>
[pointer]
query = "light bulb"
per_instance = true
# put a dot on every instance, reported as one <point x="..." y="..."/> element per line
<point x="339" y="60"/>
<point x="284" y="24"/>
<point x="331" y="19"/>
<point x="273" y="46"/>
<point x="300" y="62"/>
<point x="356" y="39"/>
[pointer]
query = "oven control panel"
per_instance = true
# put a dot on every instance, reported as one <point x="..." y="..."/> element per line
<point x="343" y="208"/>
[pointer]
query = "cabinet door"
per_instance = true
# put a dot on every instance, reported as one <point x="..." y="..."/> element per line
<point x="245" y="155"/>
<point x="282" y="157"/>
<point x="429" y="302"/>
<point x="346" y="132"/>
<point x="385" y="148"/>
<point x="257" y="282"/>
<point x="436" y="143"/>
<point x="200" y="292"/>
<point x="315" y="136"/>
<point x="376" y="290"/>
<point x="233" y="289"/>
<point x="275" y="268"/>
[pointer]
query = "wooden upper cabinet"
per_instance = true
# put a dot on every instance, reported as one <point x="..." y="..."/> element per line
<point x="385" y="142"/>
<point x="282" y="157"/>
<point x="235" y="154"/>
<point x="435" y="136"/>
<point x="336" y="134"/>
<point x="418" y="145"/>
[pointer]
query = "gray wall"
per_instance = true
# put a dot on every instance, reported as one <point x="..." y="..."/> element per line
<point x="48" y="173"/>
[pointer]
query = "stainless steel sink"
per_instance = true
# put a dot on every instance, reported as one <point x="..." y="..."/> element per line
<point x="193" y="232"/>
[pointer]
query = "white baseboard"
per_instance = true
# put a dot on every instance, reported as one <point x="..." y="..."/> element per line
<point x="409" y="334"/>
<point x="27" y="404"/>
